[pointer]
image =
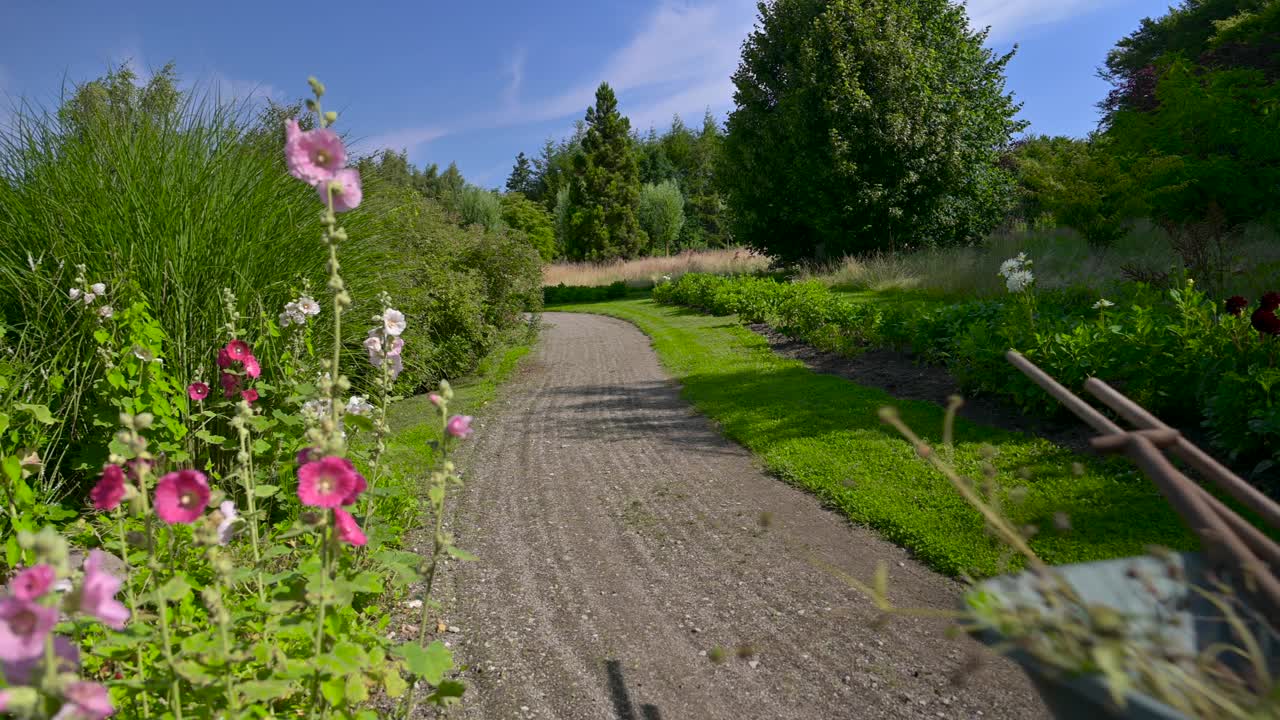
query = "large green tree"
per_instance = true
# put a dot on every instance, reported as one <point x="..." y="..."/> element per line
<point x="866" y="124"/>
<point x="521" y="179"/>
<point x="662" y="213"/>
<point x="604" y="193"/>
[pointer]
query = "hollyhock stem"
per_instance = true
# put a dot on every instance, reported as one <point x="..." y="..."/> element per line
<point x="380" y="445"/>
<point x="325" y="554"/>
<point x="176" y="691"/>
<point x="250" y="491"/>
<point x="133" y="606"/>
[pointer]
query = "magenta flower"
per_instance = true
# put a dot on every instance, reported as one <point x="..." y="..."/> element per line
<point x="23" y="627"/>
<point x="348" y="530"/>
<point x="346" y="190"/>
<point x="109" y="491"/>
<point x="326" y="482"/>
<point x="358" y="485"/>
<point x="238" y="350"/>
<point x="32" y="582"/>
<point x="19" y="672"/>
<point x="98" y="592"/>
<point x="251" y="367"/>
<point x="314" y="156"/>
<point x="250" y="396"/>
<point x="435" y="399"/>
<point x="224" y="359"/>
<point x="230" y="384"/>
<point x="181" y="496"/>
<point x="197" y="391"/>
<point x="459" y="426"/>
<point x="87" y="700"/>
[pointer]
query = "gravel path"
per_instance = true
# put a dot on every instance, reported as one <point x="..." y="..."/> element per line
<point x="620" y="541"/>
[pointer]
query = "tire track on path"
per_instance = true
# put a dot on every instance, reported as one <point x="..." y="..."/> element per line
<point x="619" y="543"/>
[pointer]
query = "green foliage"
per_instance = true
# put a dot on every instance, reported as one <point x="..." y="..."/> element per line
<point x="563" y="211"/>
<point x="478" y="206"/>
<point x="1175" y="353"/>
<point x="661" y="213"/>
<point x="559" y="294"/>
<point x="821" y="433"/>
<point x="605" y="190"/>
<point x="532" y="219"/>
<point x="521" y="179"/>
<point x="865" y="125"/>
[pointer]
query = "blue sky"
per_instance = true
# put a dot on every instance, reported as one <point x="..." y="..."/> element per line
<point x="477" y="82"/>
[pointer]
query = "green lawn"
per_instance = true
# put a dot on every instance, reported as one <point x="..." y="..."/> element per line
<point x="822" y="433"/>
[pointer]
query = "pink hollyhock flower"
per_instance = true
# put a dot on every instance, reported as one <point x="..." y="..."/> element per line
<point x="23" y="627"/>
<point x="251" y="367"/>
<point x="86" y="701"/>
<point x="32" y="582"/>
<point x="358" y="485"/>
<point x="397" y="344"/>
<point x="109" y="491"/>
<point x="181" y="496"/>
<point x="435" y="399"/>
<point x="224" y="359"/>
<point x="197" y="391"/>
<point x="291" y="130"/>
<point x="459" y="426"/>
<point x="314" y="156"/>
<point x="230" y="384"/>
<point x="238" y="350"/>
<point x="397" y="365"/>
<point x="326" y="482"/>
<point x="98" y="592"/>
<point x="250" y="396"/>
<point x="346" y="192"/>
<point x="65" y="652"/>
<point x="374" y="345"/>
<point x="348" y="531"/>
<point x="229" y="516"/>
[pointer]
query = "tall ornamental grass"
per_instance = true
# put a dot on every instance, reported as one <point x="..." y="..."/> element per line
<point x="170" y="206"/>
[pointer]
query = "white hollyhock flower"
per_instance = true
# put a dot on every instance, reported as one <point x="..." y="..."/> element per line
<point x="358" y="405"/>
<point x="89" y="298"/>
<point x="106" y="311"/>
<point x="1019" y="280"/>
<point x="74" y="293"/>
<point x="308" y="306"/>
<point x="393" y="321"/>
<point x="99" y="288"/>
<point x="1103" y="303"/>
<point x="229" y="516"/>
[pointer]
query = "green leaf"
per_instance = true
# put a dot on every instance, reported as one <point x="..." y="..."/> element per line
<point x="367" y="582"/>
<point x="40" y="412"/>
<point x="265" y="491"/>
<point x="260" y="446"/>
<point x="356" y="690"/>
<point x="429" y="663"/>
<point x="194" y="672"/>
<point x="4" y="423"/>
<point x="447" y="693"/>
<point x="334" y="690"/>
<point x="264" y="690"/>
<point x="176" y="589"/>
<point x="210" y="438"/>
<point x="12" y="467"/>
<point x="459" y="553"/>
<point x="393" y="683"/>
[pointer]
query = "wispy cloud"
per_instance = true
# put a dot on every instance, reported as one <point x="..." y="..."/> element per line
<point x="402" y="139"/>
<point x="685" y="55"/>
<point x="1007" y="17"/>
<point x="515" y="80"/>
<point x="229" y="88"/>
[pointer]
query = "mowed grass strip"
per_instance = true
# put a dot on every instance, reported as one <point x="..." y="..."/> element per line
<point x="822" y="433"/>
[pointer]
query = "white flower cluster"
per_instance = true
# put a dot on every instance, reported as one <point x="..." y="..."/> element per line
<point x="384" y="342"/>
<point x="359" y="405"/>
<point x="89" y="294"/>
<point x="297" y="311"/>
<point x="1016" y="272"/>
<point x="1103" y="304"/>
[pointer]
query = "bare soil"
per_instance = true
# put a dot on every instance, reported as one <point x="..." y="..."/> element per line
<point x="621" y="550"/>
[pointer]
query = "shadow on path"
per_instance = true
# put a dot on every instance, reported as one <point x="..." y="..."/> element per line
<point x="622" y="699"/>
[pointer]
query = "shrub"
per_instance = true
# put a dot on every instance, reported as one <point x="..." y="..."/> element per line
<point x="1175" y="351"/>
<point x="563" y="294"/>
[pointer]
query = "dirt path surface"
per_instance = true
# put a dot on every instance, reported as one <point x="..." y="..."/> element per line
<point x="620" y="541"/>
